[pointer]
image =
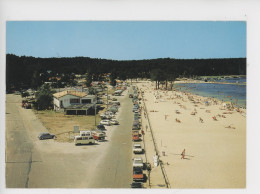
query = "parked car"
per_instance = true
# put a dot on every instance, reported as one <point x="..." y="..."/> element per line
<point x="137" y="148"/>
<point x="105" y="122"/>
<point x="103" y="116"/>
<point x="136" y="112"/>
<point x="99" y="136"/>
<point x="136" y="136"/>
<point x="113" y="109"/>
<point x="138" y="174"/>
<point x="115" y="103"/>
<point x="135" y="109"/>
<point x="101" y="127"/>
<point x="107" y="115"/>
<point x="135" y="126"/>
<point x="99" y="131"/>
<point x="136" y="122"/>
<point x="85" y="133"/>
<point x="137" y="115"/>
<point x="136" y="185"/>
<point x="114" y="122"/>
<point x="138" y="162"/>
<point x="136" y="105"/>
<point x="42" y="136"/>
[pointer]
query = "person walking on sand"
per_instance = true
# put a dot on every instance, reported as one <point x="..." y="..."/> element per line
<point x="183" y="154"/>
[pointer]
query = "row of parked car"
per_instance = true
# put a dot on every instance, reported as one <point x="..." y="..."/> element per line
<point x="109" y="117"/>
<point x="138" y="165"/>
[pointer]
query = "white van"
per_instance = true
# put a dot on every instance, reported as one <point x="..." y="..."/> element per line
<point x="84" y="140"/>
<point x="85" y="133"/>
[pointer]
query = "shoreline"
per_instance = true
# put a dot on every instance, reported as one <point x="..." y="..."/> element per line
<point x="240" y="103"/>
<point x="208" y="82"/>
<point x="216" y="149"/>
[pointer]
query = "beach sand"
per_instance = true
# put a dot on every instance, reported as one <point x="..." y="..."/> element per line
<point x="215" y="150"/>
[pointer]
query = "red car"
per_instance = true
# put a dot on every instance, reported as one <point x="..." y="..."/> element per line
<point x="138" y="174"/>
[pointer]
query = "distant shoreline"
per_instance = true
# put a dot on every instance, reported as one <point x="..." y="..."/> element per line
<point x="203" y="82"/>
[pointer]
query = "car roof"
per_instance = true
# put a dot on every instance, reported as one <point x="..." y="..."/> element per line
<point x="136" y="183"/>
<point x="137" y="169"/>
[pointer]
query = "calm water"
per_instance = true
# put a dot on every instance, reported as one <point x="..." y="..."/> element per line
<point x="227" y="92"/>
<point x="232" y="80"/>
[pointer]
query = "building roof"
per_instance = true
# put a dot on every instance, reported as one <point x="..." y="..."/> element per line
<point x="71" y="92"/>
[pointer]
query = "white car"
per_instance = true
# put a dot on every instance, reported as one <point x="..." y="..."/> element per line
<point x="138" y="162"/>
<point x="114" y="122"/>
<point x="105" y="122"/>
<point x="137" y="148"/>
<point x="137" y="111"/>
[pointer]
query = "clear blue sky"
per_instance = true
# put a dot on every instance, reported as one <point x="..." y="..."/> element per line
<point x="127" y="40"/>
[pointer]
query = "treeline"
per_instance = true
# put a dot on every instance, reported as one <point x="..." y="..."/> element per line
<point x="31" y="72"/>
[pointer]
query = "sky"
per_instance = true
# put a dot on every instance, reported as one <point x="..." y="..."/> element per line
<point x="127" y="40"/>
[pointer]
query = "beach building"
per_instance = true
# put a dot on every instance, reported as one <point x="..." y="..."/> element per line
<point x="74" y="102"/>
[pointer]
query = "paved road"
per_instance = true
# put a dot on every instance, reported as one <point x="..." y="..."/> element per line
<point x="115" y="170"/>
<point x="31" y="163"/>
<point x="18" y="146"/>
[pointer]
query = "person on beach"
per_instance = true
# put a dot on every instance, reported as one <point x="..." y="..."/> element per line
<point x="177" y="120"/>
<point x="183" y="154"/>
<point x="201" y="120"/>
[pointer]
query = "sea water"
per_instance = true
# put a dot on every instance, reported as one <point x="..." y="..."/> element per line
<point x="233" y="90"/>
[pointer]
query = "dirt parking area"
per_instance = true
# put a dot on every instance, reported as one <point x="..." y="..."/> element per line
<point x="63" y="125"/>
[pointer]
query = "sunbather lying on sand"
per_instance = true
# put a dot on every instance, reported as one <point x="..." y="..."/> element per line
<point x="227" y="112"/>
<point x="177" y="120"/>
<point x="230" y="127"/>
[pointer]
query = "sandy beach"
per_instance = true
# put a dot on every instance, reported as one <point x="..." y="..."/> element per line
<point x="214" y="139"/>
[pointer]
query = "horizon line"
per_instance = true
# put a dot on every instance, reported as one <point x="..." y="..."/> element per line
<point x="128" y="59"/>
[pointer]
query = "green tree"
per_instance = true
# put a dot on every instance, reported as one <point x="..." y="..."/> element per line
<point x="36" y="80"/>
<point x="89" y="78"/>
<point x="44" y="98"/>
<point x="158" y="75"/>
<point x="172" y="77"/>
<point x="92" y="91"/>
<point x="113" y="77"/>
